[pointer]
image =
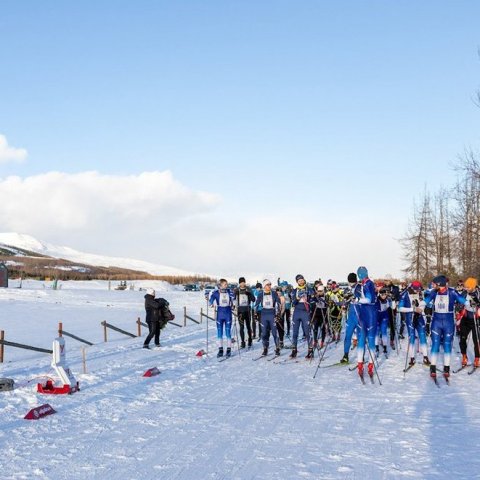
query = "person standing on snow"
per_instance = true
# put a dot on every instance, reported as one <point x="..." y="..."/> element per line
<point x="383" y="307"/>
<point x="268" y="304"/>
<point x="443" y="299"/>
<point x="225" y="300"/>
<point x="334" y="298"/>
<point x="243" y="299"/>
<point x="319" y="317"/>
<point x="412" y="306"/>
<point x="281" y="317"/>
<point x="301" y="298"/>
<point x="156" y="311"/>
<point x="352" y="314"/>
<point x="469" y="321"/>
<point x="367" y="319"/>
<point x="257" y="315"/>
<point x="288" y="305"/>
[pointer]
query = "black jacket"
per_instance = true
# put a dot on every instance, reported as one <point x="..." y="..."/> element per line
<point x="156" y="309"/>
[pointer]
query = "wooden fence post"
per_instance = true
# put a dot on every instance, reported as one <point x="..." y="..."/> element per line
<point x="139" y="327"/>
<point x="105" y="339"/>
<point x="2" y="337"/>
<point x="60" y="329"/>
<point x="184" y="316"/>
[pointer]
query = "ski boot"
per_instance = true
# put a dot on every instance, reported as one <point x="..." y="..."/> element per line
<point x="377" y="351"/>
<point x="294" y="353"/>
<point x="220" y="352"/>
<point x="464" y="360"/>
<point x="446" y="371"/>
<point x="309" y="354"/>
<point x="385" y="349"/>
<point x="147" y="347"/>
<point x="249" y="342"/>
<point x="315" y="344"/>
<point x="229" y="352"/>
<point x="242" y="344"/>
<point x="370" y="369"/>
<point x="433" y="371"/>
<point x="277" y="351"/>
<point x="281" y="345"/>
<point x="412" y="361"/>
<point x="360" y="369"/>
<point x="344" y="359"/>
<point x="426" y="361"/>
<point x="265" y="351"/>
<point x="392" y="344"/>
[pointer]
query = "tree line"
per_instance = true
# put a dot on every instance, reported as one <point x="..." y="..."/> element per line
<point x="443" y="235"/>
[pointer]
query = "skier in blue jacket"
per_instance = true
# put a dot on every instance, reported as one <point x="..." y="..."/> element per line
<point x="225" y="300"/>
<point x="412" y="306"/>
<point x="352" y="313"/>
<point x="443" y="299"/>
<point x="268" y="304"/>
<point x="302" y="296"/>
<point x="383" y="306"/>
<point x="367" y="319"/>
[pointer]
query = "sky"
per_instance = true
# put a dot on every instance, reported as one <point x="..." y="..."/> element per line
<point x="233" y="138"/>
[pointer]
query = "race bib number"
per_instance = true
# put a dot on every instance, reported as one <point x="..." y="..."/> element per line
<point x="383" y="306"/>
<point x="441" y="304"/>
<point x="243" y="300"/>
<point x="224" y="300"/>
<point x="267" y="301"/>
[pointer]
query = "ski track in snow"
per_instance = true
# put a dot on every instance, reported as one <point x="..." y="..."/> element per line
<point x="203" y="419"/>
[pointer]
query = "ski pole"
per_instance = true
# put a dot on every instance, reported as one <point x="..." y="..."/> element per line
<point x="406" y="358"/>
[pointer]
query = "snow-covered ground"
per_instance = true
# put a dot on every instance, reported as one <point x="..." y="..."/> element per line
<point x="201" y="419"/>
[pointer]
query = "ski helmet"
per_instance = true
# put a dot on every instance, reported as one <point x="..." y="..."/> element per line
<point x="299" y="277"/>
<point x="362" y="273"/>
<point x="352" y="278"/>
<point x="440" y="280"/>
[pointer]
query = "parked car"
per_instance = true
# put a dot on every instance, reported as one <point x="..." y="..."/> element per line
<point x="191" y="287"/>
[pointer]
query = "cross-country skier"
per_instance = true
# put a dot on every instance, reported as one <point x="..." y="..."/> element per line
<point x="225" y="300"/>
<point x="243" y="300"/>
<point x="301" y="298"/>
<point x="394" y="294"/>
<point x="384" y="311"/>
<point x="469" y="321"/>
<point x="257" y="315"/>
<point x="412" y="306"/>
<point x="280" y="320"/>
<point x="288" y="305"/>
<point x="319" y="317"/>
<point x="352" y="313"/>
<point x="268" y="303"/>
<point x="367" y="319"/>
<point x="334" y="298"/>
<point x="443" y="299"/>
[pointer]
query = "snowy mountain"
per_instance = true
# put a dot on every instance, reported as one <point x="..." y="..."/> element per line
<point x="31" y="244"/>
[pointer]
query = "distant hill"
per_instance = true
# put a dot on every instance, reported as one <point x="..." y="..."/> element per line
<point x="27" y="256"/>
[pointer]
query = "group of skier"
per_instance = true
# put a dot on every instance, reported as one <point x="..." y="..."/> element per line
<point x="370" y="313"/>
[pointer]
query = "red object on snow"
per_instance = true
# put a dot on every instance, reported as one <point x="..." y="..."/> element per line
<point x="152" y="372"/>
<point x="51" y="389"/>
<point x="39" y="412"/>
<point x="201" y="353"/>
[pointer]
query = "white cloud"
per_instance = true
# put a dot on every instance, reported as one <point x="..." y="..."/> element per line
<point x="96" y="211"/>
<point x="10" y="154"/>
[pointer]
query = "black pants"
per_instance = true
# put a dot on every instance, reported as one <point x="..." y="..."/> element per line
<point x="254" y="326"/>
<point x="244" y="318"/>
<point x="153" y="331"/>
<point x="392" y="316"/>
<point x="467" y="325"/>
<point x="319" y="321"/>
<point x="287" y="316"/>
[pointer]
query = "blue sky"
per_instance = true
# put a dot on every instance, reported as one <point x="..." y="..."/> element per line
<point x="312" y="122"/>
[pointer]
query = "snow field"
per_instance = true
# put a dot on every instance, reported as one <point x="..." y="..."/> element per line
<point x="204" y="419"/>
